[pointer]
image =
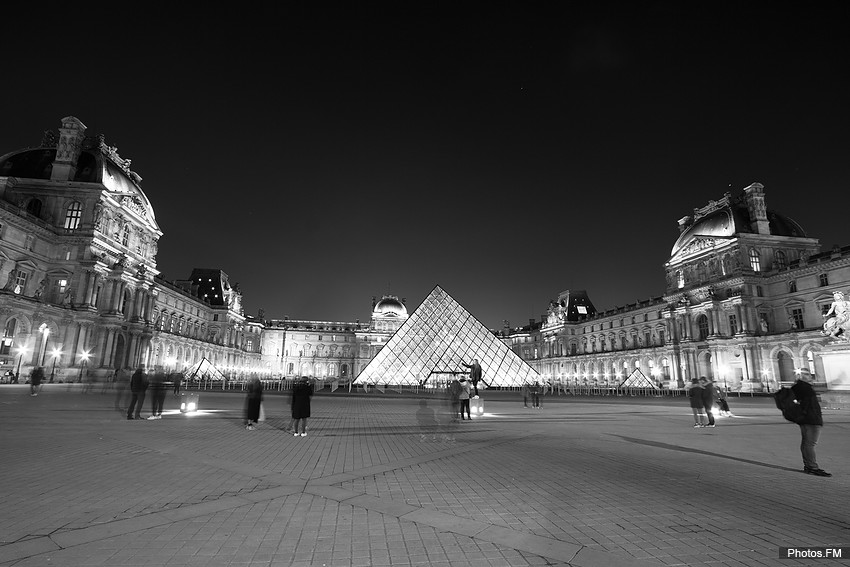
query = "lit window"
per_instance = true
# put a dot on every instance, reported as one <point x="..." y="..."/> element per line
<point x="680" y="279"/>
<point x="73" y="215"/>
<point x="20" y="281"/>
<point x="755" y="260"/>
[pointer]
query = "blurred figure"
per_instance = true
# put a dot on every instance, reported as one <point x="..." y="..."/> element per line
<point x="302" y="391"/>
<point x="525" y="394"/>
<point x="122" y="385"/>
<point x="427" y="420"/>
<point x="708" y="394"/>
<point x="253" y="402"/>
<point x="535" y="395"/>
<point x="157" y="387"/>
<point x="138" y="387"/>
<point x="177" y="379"/>
<point x="36" y="378"/>
<point x="695" y="396"/>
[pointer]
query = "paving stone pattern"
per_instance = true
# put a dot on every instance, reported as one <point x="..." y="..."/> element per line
<point x="390" y="480"/>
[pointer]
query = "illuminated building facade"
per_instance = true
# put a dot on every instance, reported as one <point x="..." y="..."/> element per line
<point x="746" y="292"/>
<point x="80" y="293"/>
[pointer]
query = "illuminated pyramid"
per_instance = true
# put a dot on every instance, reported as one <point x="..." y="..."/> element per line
<point x="434" y="342"/>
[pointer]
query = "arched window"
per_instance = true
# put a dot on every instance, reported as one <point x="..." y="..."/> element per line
<point x="755" y="260"/>
<point x="781" y="260"/>
<point x="34" y="207"/>
<point x="73" y="214"/>
<point x="8" y="336"/>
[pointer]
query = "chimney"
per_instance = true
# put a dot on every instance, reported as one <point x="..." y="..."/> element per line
<point x="71" y="136"/>
<point x="754" y="195"/>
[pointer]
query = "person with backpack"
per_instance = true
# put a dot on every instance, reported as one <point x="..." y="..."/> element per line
<point x="810" y="423"/>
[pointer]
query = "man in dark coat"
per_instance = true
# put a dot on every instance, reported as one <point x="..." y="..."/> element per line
<point x="138" y="386"/>
<point x="811" y="424"/>
<point x="302" y="391"/>
<point x="475" y="374"/>
<point x="35" y="380"/>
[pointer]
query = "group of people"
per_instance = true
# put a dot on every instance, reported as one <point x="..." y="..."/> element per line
<point x="302" y="392"/>
<point x="703" y="395"/>
<point x="140" y="383"/>
<point x="533" y="391"/>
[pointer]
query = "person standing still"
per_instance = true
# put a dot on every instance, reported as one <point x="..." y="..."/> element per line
<point x="525" y="394"/>
<point x="302" y="391"/>
<point x="475" y="374"/>
<point x="138" y="386"/>
<point x="695" y="398"/>
<point x="157" y="387"/>
<point x="253" y="400"/>
<point x="708" y="395"/>
<point x="811" y="424"/>
<point x="464" y="399"/>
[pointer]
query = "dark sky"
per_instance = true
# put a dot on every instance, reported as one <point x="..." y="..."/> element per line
<point x="322" y="154"/>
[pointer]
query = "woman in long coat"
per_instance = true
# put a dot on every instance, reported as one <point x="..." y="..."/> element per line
<point x="252" y="402"/>
<point x="301" y="393"/>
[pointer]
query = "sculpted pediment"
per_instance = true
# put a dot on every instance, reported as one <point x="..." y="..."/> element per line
<point x="699" y="244"/>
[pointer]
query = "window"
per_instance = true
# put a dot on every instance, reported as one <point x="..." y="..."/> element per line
<point x="8" y="337"/>
<point x="759" y="291"/>
<point x="824" y="280"/>
<point x="781" y="260"/>
<point x="680" y="279"/>
<point x="647" y="337"/>
<point x="125" y="235"/>
<point x="733" y="324"/>
<point x="20" y="281"/>
<point x="792" y="286"/>
<point x="215" y="317"/>
<point x="661" y="337"/>
<point x="60" y="286"/>
<point x="249" y="345"/>
<point x="73" y="215"/>
<point x="702" y="322"/>
<point x="34" y="207"/>
<point x="755" y="260"/>
<point x="796" y="318"/>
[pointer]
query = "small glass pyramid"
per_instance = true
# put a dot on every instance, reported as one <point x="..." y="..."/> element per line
<point x="433" y="344"/>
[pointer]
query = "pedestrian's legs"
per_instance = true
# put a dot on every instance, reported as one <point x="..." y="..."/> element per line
<point x="133" y="400"/>
<point x="710" y="415"/>
<point x="303" y="426"/>
<point x="139" y="405"/>
<point x="696" y="416"/>
<point x="810" y="435"/>
<point x="464" y="405"/>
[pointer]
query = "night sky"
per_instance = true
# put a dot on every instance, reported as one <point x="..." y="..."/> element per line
<point x="322" y="154"/>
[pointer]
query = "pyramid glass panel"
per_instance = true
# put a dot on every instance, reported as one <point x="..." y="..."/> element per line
<point x="440" y="336"/>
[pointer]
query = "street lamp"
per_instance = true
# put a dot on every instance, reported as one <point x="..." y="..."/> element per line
<point x="84" y="358"/>
<point x="45" y="331"/>
<point x="56" y="353"/>
<point x="22" y="351"/>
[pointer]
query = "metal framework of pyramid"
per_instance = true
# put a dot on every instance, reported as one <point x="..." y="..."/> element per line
<point x="433" y="343"/>
<point x="638" y="379"/>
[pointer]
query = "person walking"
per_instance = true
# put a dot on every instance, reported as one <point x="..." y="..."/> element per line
<point x="695" y="397"/>
<point x="138" y="386"/>
<point x="157" y="388"/>
<point x="36" y="377"/>
<point x="708" y="397"/>
<point x="465" y="392"/>
<point x="253" y="402"/>
<point x="811" y="424"/>
<point x="302" y="391"/>
<point x="525" y="394"/>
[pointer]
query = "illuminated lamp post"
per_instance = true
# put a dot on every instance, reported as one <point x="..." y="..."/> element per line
<point x="45" y="332"/>
<point x="56" y="353"/>
<point x="84" y="358"/>
<point x="21" y="351"/>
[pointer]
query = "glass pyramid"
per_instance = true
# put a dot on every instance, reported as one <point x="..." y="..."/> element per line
<point x="430" y="347"/>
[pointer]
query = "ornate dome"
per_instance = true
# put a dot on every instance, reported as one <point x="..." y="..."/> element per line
<point x="732" y="219"/>
<point x="390" y="306"/>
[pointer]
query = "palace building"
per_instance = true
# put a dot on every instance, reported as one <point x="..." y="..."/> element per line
<point x="80" y="294"/>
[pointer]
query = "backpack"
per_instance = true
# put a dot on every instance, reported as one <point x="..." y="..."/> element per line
<point x="787" y="403"/>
